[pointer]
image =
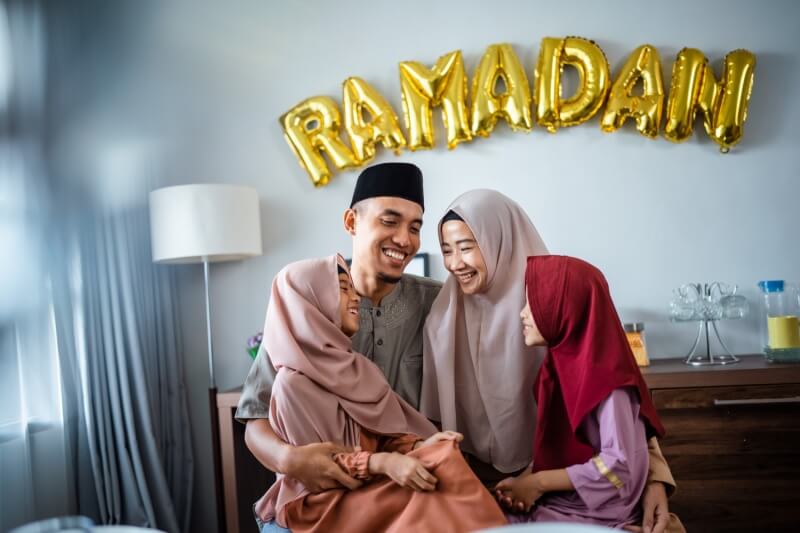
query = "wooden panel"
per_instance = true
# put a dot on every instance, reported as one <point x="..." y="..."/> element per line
<point x="705" y="397"/>
<point x="709" y="506"/>
<point x="736" y="465"/>
<point x="245" y="480"/>
<point x="229" y="398"/>
<point x="229" y="472"/>
<point x="751" y="370"/>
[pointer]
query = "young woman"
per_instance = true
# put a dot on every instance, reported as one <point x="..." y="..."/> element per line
<point x="478" y="374"/>
<point x="325" y="392"/>
<point x="594" y="416"/>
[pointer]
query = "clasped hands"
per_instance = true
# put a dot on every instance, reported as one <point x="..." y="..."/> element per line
<point x="519" y="494"/>
<point x="314" y="467"/>
<point x="409" y="471"/>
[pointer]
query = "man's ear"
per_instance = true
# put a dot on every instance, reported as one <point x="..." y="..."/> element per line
<point x="350" y="221"/>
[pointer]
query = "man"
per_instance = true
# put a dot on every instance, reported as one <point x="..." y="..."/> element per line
<point x="384" y="219"/>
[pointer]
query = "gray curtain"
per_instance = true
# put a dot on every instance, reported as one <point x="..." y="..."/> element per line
<point x="125" y="359"/>
<point x="35" y="468"/>
<point x="89" y="311"/>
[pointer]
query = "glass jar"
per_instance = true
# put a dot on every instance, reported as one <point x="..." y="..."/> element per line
<point x="634" y="331"/>
<point x="780" y="324"/>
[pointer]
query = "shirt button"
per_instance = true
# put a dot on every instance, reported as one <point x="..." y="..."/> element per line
<point x="378" y="312"/>
<point x="380" y="342"/>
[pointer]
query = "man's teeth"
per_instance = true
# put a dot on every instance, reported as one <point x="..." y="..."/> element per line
<point x="395" y="255"/>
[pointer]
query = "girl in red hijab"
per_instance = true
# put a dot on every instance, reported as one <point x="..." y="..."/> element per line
<point x="590" y="456"/>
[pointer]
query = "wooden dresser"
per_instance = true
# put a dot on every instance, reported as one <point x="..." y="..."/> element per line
<point x="733" y="444"/>
<point x="244" y="479"/>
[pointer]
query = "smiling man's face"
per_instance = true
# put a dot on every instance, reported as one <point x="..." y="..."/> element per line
<point x="385" y="234"/>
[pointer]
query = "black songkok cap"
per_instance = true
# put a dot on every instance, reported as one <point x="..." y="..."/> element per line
<point x="402" y="180"/>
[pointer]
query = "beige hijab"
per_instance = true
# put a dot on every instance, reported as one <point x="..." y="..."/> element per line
<point x="478" y="375"/>
<point x="323" y="391"/>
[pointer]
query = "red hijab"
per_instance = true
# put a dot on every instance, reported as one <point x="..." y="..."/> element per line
<point x="589" y="357"/>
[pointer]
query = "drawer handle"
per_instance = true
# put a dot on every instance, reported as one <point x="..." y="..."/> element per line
<point x="756" y="401"/>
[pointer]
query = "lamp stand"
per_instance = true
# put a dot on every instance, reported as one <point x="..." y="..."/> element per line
<point x="214" y="411"/>
<point x="208" y="326"/>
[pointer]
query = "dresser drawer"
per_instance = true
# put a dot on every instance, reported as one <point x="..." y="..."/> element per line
<point x="735" y="449"/>
<point x="739" y="396"/>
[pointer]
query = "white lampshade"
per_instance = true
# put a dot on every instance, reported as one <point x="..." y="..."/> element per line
<point x="190" y="223"/>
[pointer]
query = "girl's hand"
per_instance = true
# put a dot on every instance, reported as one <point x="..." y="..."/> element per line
<point x="519" y="493"/>
<point x="438" y="437"/>
<point x="403" y="470"/>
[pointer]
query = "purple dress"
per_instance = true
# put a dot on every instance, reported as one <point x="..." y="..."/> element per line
<point x="608" y="486"/>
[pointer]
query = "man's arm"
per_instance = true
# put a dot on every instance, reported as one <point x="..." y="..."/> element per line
<point x="660" y="484"/>
<point x="312" y="464"/>
<point x="659" y="469"/>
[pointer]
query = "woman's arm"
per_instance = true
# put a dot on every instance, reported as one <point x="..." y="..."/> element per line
<point x="404" y="470"/>
<point x="600" y="479"/>
<point x="521" y="492"/>
<point x="619" y="469"/>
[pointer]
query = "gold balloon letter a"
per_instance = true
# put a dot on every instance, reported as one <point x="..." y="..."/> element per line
<point x="642" y="65"/>
<point x="724" y="104"/>
<point x="514" y="105"/>
<point x="423" y="88"/>
<point x="310" y="127"/>
<point x="592" y="66"/>
<point x="360" y="96"/>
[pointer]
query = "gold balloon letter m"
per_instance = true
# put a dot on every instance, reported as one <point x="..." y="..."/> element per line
<point x="423" y="88"/>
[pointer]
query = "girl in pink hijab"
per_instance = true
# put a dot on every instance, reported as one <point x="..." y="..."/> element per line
<point x="414" y="479"/>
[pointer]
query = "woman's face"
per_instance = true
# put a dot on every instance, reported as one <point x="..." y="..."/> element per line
<point x="349" y="301"/>
<point x="530" y="332"/>
<point x="463" y="258"/>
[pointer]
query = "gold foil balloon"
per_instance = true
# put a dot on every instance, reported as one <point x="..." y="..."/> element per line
<point x="311" y="127"/>
<point x="513" y="105"/>
<point x="642" y="65"/>
<point x="723" y="104"/>
<point x="686" y="89"/>
<point x="592" y="66"/>
<point x="383" y="126"/>
<point x="445" y="85"/>
<point x="733" y="98"/>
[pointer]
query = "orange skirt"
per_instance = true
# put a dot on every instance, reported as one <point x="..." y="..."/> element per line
<point x="459" y="503"/>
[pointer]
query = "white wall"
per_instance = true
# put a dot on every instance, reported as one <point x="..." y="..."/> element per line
<point x="202" y="84"/>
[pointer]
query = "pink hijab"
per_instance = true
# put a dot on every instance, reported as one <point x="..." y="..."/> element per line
<point x="323" y="391"/>
<point x="478" y="375"/>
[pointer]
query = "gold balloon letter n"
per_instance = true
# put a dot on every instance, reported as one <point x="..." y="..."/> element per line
<point x="723" y="104"/>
